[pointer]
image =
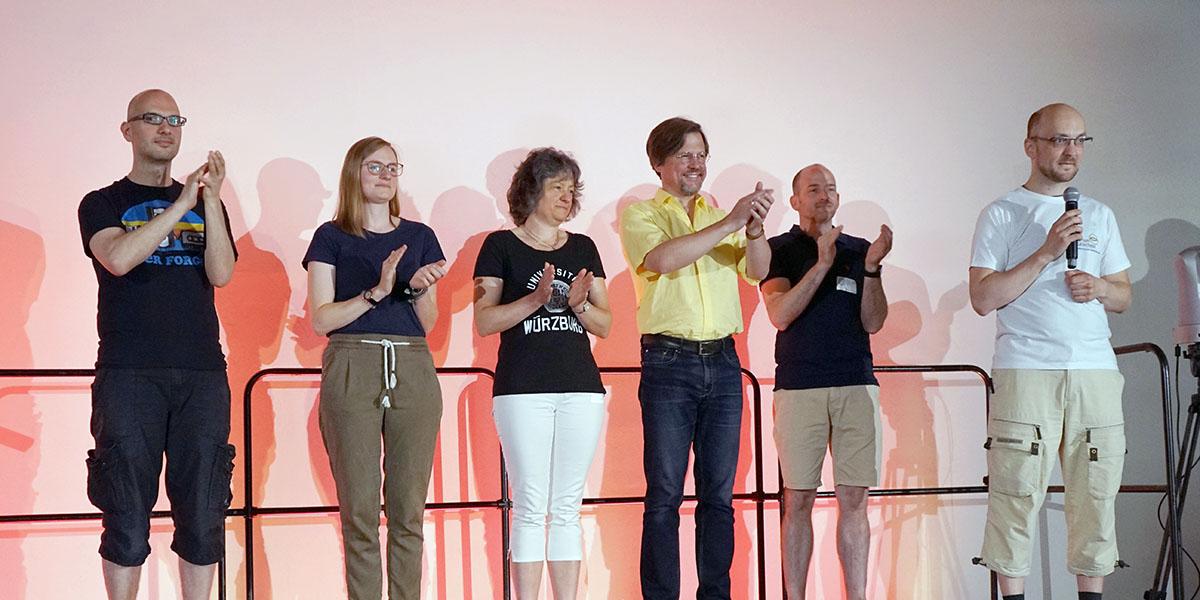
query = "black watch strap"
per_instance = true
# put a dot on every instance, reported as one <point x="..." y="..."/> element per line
<point x="367" y="296"/>
<point x="875" y="274"/>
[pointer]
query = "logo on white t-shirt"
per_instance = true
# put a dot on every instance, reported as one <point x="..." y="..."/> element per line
<point x="1091" y="243"/>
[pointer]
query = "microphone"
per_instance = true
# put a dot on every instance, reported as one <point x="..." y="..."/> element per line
<point x="1071" y="196"/>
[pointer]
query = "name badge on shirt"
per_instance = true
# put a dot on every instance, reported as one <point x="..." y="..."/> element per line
<point x="845" y="284"/>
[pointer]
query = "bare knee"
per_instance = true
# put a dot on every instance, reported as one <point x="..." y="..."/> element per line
<point x="798" y="501"/>
<point x="851" y="498"/>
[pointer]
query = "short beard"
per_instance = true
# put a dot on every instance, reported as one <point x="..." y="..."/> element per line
<point x="684" y="183"/>
<point x="1049" y="173"/>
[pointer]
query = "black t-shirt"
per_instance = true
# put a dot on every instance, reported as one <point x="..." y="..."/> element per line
<point x="826" y="346"/>
<point x="357" y="262"/>
<point x="549" y="351"/>
<point x="161" y="313"/>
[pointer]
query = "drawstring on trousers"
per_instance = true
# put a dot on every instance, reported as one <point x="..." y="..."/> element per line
<point x="388" y="348"/>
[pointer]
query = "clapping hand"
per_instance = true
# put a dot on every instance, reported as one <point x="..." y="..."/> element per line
<point x="428" y="275"/>
<point x="879" y="248"/>
<point x="578" y="294"/>
<point x="214" y="174"/>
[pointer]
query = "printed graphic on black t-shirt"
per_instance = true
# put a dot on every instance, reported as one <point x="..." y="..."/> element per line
<point x="548" y="351"/>
<point x="160" y="313"/>
<point x="183" y="247"/>
<point x="560" y="287"/>
<point x="826" y="345"/>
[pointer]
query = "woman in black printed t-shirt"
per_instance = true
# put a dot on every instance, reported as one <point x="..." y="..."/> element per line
<point x="542" y="289"/>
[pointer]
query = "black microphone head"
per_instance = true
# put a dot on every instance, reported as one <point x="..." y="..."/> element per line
<point x="1071" y="196"/>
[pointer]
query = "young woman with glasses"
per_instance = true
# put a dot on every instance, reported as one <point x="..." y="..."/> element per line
<point x="371" y="284"/>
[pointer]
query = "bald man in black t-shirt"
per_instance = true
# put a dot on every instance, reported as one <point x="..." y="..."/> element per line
<point x="158" y="248"/>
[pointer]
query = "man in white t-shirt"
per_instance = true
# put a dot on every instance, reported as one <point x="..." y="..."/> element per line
<point x="1058" y="391"/>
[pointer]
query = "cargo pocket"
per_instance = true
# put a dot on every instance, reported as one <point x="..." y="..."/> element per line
<point x="107" y="484"/>
<point x="220" y="494"/>
<point x="1014" y="463"/>
<point x="1106" y="459"/>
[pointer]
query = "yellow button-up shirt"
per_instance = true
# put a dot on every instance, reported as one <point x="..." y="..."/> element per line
<point x="699" y="301"/>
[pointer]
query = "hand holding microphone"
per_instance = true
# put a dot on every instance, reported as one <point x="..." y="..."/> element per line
<point x="1071" y="198"/>
<point x="1084" y="287"/>
<point x="1065" y="234"/>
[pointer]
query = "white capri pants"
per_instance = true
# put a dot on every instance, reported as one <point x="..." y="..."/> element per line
<point x="549" y="441"/>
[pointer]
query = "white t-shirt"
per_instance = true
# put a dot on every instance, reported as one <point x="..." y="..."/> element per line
<point x="1044" y="328"/>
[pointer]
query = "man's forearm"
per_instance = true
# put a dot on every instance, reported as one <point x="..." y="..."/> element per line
<point x="1118" y="297"/>
<point x="874" y="305"/>
<point x="999" y="288"/>
<point x="128" y="249"/>
<point x="758" y="258"/>
<point x="677" y="253"/>
<point x="218" y="248"/>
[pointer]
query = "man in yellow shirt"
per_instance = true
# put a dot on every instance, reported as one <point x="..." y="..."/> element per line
<point x="685" y="255"/>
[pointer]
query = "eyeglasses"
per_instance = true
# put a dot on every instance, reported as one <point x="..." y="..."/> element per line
<point x="376" y="168"/>
<point x="689" y="157"/>
<point x="157" y="119"/>
<point x="1062" y="141"/>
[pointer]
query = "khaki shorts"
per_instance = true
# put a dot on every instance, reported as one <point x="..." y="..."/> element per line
<point x="1037" y="415"/>
<point x="843" y="419"/>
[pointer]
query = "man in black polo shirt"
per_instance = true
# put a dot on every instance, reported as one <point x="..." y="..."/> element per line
<point x="158" y="247"/>
<point x="825" y="296"/>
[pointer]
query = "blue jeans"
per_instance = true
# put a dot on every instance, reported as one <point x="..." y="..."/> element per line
<point x="690" y="397"/>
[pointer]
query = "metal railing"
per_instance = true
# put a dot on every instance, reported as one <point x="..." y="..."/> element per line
<point x="250" y="510"/>
<point x="759" y="496"/>
<point x="222" y="584"/>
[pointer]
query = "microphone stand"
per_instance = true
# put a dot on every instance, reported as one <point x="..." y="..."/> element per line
<point x="1187" y="456"/>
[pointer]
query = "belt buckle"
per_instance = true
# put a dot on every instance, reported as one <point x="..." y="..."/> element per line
<point x="708" y="347"/>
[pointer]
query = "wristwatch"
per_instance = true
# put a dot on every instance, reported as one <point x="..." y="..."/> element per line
<point x="582" y="308"/>
<point x="875" y="274"/>
<point x="411" y="293"/>
<point x="366" y="295"/>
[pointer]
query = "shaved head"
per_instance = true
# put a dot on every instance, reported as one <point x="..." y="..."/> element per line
<point x="1051" y="113"/>
<point x="140" y="101"/>
<point x="808" y="172"/>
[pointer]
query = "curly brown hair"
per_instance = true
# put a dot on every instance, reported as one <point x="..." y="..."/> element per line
<point x="540" y="165"/>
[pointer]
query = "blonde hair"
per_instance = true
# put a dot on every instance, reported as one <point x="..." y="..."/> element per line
<point x="349" y="214"/>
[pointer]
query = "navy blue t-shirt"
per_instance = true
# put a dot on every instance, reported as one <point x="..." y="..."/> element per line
<point x="160" y="314"/>
<point x="549" y="351"/>
<point x="826" y="345"/>
<point x="357" y="262"/>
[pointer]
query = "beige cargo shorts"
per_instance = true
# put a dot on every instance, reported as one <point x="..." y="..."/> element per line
<point x="1036" y="415"/>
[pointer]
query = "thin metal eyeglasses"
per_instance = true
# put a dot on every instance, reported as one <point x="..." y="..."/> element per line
<point x="689" y="157"/>
<point x="375" y="168"/>
<point x="157" y="119"/>
<point x="1061" y="141"/>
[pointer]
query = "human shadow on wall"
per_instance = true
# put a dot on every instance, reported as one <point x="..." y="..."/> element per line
<point x="730" y="185"/>
<point x="462" y="218"/>
<point x="727" y="188"/>
<point x="1152" y="317"/>
<point x="620" y="455"/>
<point x="22" y="269"/>
<point x="255" y="308"/>
<point x="915" y="332"/>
